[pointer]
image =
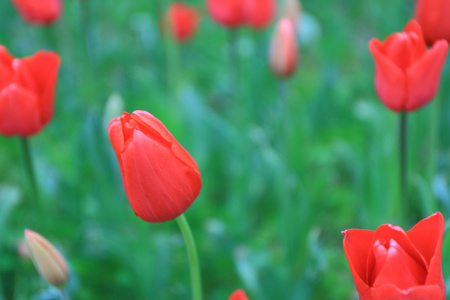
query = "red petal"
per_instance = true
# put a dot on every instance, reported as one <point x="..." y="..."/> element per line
<point x="427" y="237"/>
<point x="394" y="266"/>
<point x="390" y="81"/>
<point x="238" y="295"/>
<point x="39" y="73"/>
<point x="39" y="12"/>
<point x="154" y="127"/>
<point x="160" y="187"/>
<point x="424" y="75"/>
<point x="259" y="13"/>
<point x="226" y="12"/>
<point x="357" y="244"/>
<point x="19" y="112"/>
<point x="391" y="292"/>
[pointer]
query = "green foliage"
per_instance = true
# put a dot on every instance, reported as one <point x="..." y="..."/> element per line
<point x="285" y="165"/>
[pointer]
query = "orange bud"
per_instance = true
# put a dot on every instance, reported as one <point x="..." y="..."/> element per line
<point x="50" y="264"/>
<point x="283" y="55"/>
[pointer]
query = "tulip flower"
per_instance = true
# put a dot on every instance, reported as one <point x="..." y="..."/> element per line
<point x="160" y="178"/>
<point x="40" y="12"/>
<point x="390" y="263"/>
<point x="50" y="264"/>
<point x="238" y="295"/>
<point x="228" y="13"/>
<point x="27" y="92"/>
<point x="283" y="55"/>
<point x="433" y="16"/>
<point x="182" y="21"/>
<point x="233" y="13"/>
<point x="406" y="73"/>
<point x="259" y="13"/>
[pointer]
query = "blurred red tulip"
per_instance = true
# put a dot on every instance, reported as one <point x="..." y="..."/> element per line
<point x="283" y="55"/>
<point x="259" y="13"/>
<point x="27" y="91"/>
<point x="233" y="13"/>
<point x="407" y="75"/>
<point x="390" y="263"/>
<point x="238" y="295"/>
<point x="227" y="12"/>
<point x="160" y="178"/>
<point x="40" y="12"/>
<point x="182" y="21"/>
<point x="434" y="17"/>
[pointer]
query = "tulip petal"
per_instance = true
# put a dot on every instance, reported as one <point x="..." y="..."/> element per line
<point x="395" y="266"/>
<point x="238" y="295"/>
<point x="390" y="81"/>
<point x="226" y="12"/>
<point x="357" y="244"/>
<point x="155" y="127"/>
<point x="387" y="232"/>
<point x="6" y="72"/>
<point x="259" y="13"/>
<point x="424" y="75"/>
<point x="391" y="292"/>
<point x="427" y="235"/>
<point x="39" y="73"/>
<point x="160" y="187"/>
<point x="19" y="114"/>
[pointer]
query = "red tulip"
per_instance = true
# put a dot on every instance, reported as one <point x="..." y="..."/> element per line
<point x="283" y="55"/>
<point x="238" y="295"/>
<point x="40" y="12"/>
<point x="182" y="20"/>
<point x="227" y="12"/>
<point x="433" y="16"/>
<point x="233" y="13"/>
<point x="27" y="92"/>
<point x="259" y="13"/>
<point x="406" y="73"/>
<point x="160" y="178"/>
<point x="390" y="263"/>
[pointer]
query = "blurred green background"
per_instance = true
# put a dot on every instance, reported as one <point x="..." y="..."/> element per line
<point x="285" y="165"/>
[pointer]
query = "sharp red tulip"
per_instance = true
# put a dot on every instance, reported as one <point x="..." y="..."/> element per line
<point x="238" y="295"/>
<point x="407" y="75"/>
<point x="160" y="178"/>
<point x="433" y="16"/>
<point x="40" y="12"/>
<point x="390" y="263"/>
<point x="283" y="53"/>
<point x="182" y="21"/>
<point x="27" y="92"/>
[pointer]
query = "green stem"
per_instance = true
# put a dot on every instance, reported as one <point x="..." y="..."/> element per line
<point x="404" y="202"/>
<point x="193" y="258"/>
<point x="64" y="294"/>
<point x="30" y="171"/>
<point x="84" y="9"/>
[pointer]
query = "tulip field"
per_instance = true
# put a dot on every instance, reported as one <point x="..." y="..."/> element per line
<point x="173" y="150"/>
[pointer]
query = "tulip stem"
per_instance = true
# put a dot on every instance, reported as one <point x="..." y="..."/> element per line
<point x="64" y="294"/>
<point x="403" y="165"/>
<point x="193" y="257"/>
<point x="84" y="14"/>
<point x="30" y="171"/>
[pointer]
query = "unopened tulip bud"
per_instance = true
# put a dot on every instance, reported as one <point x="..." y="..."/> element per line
<point x="283" y="55"/>
<point x="50" y="264"/>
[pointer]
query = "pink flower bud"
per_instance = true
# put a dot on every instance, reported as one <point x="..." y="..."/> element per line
<point x="50" y="264"/>
<point x="283" y="55"/>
